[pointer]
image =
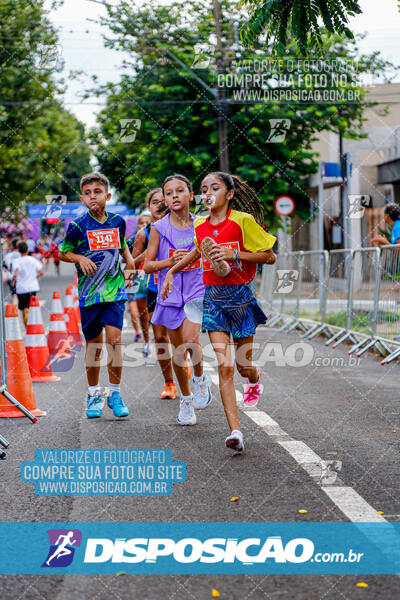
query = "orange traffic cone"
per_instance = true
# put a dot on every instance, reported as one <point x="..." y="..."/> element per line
<point x="19" y="378"/>
<point x="37" y="351"/>
<point x="76" y="299"/>
<point x="70" y="318"/>
<point x="57" y="339"/>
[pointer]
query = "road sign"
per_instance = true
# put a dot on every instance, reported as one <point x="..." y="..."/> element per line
<point x="284" y="206"/>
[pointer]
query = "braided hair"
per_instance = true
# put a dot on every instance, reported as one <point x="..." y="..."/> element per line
<point x="245" y="198"/>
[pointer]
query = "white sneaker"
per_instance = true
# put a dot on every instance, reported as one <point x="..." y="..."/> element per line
<point x="146" y="350"/>
<point x="186" y="414"/>
<point x="202" y="392"/>
<point x="235" y="441"/>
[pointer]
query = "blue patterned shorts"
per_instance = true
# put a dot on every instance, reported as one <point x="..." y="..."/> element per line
<point x="231" y="308"/>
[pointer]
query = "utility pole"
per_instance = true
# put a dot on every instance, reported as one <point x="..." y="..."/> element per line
<point x="221" y="100"/>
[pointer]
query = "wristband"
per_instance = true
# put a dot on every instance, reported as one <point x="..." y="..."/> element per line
<point x="236" y="259"/>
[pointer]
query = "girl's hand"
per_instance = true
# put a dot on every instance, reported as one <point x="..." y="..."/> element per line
<point x="177" y="256"/>
<point x="167" y="285"/>
<point x="222" y="253"/>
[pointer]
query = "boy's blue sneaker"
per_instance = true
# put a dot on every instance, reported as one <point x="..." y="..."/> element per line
<point x="118" y="406"/>
<point x="94" y="407"/>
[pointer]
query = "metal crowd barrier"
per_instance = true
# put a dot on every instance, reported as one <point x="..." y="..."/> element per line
<point x="346" y="295"/>
<point x="364" y="309"/>
<point x="388" y="306"/>
<point x="297" y="287"/>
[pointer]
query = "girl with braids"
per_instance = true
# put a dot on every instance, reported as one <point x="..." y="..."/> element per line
<point x="232" y="242"/>
<point x="170" y="239"/>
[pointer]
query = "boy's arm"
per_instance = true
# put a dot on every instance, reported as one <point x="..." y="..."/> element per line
<point x="88" y="267"/>
<point x="124" y="250"/>
<point x="68" y="247"/>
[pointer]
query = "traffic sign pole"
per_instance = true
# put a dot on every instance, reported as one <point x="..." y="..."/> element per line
<point x="285" y="247"/>
<point x="284" y="206"/>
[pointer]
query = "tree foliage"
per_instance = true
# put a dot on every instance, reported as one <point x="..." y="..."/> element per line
<point x="175" y="117"/>
<point x="296" y="20"/>
<point x="41" y="143"/>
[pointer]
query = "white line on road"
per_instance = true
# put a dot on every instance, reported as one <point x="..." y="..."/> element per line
<point x="346" y="498"/>
<point x="353" y="505"/>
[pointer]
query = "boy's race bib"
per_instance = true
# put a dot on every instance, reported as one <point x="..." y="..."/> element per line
<point x="195" y="265"/>
<point x="232" y="245"/>
<point x="104" y="239"/>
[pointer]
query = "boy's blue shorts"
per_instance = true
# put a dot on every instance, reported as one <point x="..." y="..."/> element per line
<point x="94" y="317"/>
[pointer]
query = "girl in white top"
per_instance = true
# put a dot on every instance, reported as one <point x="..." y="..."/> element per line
<point x="26" y="272"/>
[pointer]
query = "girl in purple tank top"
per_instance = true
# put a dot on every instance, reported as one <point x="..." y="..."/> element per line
<point x="171" y="238"/>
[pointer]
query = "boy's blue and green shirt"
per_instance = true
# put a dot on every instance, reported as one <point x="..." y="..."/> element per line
<point x="101" y="243"/>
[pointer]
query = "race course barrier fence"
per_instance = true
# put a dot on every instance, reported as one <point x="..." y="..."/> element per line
<point x="349" y="295"/>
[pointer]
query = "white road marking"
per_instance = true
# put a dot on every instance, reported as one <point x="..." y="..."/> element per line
<point x="352" y="505"/>
<point x="266" y="423"/>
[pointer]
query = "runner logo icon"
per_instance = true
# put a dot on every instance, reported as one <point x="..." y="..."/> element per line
<point x="62" y="547"/>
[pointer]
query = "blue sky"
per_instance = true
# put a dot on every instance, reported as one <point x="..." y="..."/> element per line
<point x="83" y="48"/>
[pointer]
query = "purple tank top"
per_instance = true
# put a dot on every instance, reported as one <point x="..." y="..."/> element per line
<point x="187" y="284"/>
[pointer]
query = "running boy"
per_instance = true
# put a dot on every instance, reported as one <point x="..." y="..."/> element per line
<point x="94" y="242"/>
<point x="231" y="242"/>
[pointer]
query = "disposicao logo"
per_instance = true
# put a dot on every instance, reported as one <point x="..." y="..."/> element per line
<point x="62" y="547"/>
<point x="191" y="550"/>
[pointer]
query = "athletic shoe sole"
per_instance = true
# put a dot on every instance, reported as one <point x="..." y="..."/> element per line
<point x="220" y="267"/>
<point x="189" y="423"/>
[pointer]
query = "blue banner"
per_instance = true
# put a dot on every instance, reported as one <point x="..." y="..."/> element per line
<point x="72" y="210"/>
<point x="207" y="548"/>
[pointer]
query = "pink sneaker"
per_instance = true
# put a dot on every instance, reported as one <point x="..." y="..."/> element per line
<point x="252" y="392"/>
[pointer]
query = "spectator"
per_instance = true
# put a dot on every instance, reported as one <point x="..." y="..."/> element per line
<point x="25" y="276"/>
<point x="31" y="246"/>
<point x="392" y="218"/>
<point x="9" y="258"/>
<point x="56" y="257"/>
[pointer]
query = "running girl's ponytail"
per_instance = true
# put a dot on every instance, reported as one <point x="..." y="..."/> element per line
<point x="245" y="198"/>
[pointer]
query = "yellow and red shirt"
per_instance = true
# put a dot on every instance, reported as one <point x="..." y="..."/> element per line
<point x="238" y="231"/>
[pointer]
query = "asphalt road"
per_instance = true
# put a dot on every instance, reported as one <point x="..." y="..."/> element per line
<point x="337" y="410"/>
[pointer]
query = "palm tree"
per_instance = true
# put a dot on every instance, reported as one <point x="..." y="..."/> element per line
<point x="278" y="20"/>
